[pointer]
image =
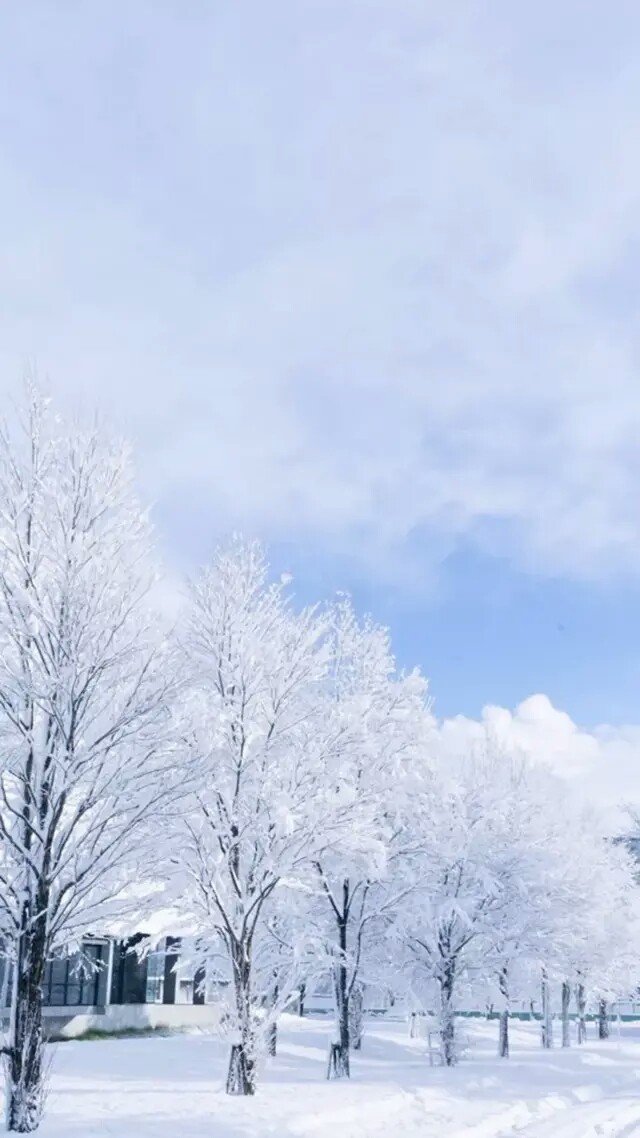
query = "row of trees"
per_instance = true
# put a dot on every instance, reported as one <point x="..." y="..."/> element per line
<point x="288" y="786"/>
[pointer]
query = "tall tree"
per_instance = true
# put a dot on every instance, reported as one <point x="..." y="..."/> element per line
<point x="252" y="734"/>
<point x="383" y="722"/>
<point x="83" y="710"/>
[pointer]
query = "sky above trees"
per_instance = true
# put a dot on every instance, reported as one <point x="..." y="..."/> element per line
<point x="359" y="279"/>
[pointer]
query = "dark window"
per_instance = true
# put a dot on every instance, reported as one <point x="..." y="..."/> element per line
<point x="79" y="979"/>
<point x="97" y="979"/>
<point x="155" y="977"/>
<point x="172" y="956"/>
<point x="56" y="980"/>
<point x="89" y="975"/>
<point x="129" y="983"/>
<point x="74" y="990"/>
<point x="184" y="994"/>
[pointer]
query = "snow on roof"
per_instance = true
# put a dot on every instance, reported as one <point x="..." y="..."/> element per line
<point x="154" y="923"/>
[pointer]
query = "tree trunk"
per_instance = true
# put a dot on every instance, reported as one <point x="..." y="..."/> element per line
<point x="342" y="1014"/>
<point x="581" y="1003"/>
<point x="241" y="1077"/>
<point x="242" y="1070"/>
<point x="356" y="1017"/>
<point x="447" y="1017"/>
<point x="303" y="992"/>
<point x="24" y="1083"/>
<point x="503" y="982"/>
<point x="503" y="1047"/>
<point x="341" y="1064"/>
<point x="603" y="1020"/>
<point x="273" y="1029"/>
<point x="566" y="1001"/>
<point x="547" y="1019"/>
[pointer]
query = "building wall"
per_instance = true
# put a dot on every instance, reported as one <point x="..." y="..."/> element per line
<point x="122" y="1017"/>
<point x="110" y="987"/>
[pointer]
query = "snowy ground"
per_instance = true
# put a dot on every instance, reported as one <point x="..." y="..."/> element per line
<point x="172" y="1088"/>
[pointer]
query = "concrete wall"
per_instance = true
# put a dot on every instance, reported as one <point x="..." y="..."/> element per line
<point x="70" y="1022"/>
<point x="121" y="1016"/>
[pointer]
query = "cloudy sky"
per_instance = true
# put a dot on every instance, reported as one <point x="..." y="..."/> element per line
<point x="361" y="277"/>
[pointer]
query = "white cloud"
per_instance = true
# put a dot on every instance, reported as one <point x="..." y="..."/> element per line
<point x="355" y="272"/>
<point x="602" y="764"/>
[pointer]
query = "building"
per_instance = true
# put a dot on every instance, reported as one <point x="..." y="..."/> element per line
<point x="111" y="985"/>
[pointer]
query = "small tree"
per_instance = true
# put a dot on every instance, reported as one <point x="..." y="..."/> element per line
<point x="481" y="876"/>
<point x="594" y="945"/>
<point x="523" y="927"/>
<point x="445" y="919"/>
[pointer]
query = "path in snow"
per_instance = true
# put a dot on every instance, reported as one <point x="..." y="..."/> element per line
<point x="611" y="1118"/>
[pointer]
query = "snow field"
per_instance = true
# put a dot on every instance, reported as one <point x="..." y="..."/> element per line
<point x="173" y="1087"/>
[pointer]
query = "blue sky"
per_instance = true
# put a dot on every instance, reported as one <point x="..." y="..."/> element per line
<point x="486" y="633"/>
<point x="360" y="277"/>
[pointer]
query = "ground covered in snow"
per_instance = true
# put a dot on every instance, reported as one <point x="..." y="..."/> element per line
<point x="173" y="1088"/>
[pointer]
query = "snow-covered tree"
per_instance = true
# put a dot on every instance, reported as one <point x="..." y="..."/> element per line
<point x="471" y="910"/>
<point x="252" y="737"/>
<point x="83" y="711"/>
<point x="384" y="724"/>
<point x="521" y="934"/>
<point x="563" y="914"/>
<point x="595" y="947"/>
